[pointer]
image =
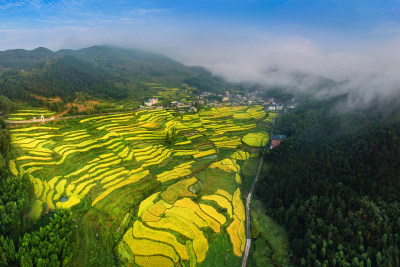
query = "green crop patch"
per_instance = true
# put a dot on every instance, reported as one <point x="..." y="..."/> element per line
<point x="256" y="139"/>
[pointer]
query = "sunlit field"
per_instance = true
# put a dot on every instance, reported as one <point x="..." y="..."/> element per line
<point x="186" y="166"/>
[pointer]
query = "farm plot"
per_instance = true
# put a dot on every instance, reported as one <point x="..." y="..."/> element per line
<point x="240" y="155"/>
<point x="99" y="158"/>
<point x="29" y="114"/>
<point x="160" y="222"/>
<point x="162" y="92"/>
<point x="96" y="156"/>
<point x="226" y="142"/>
<point x="270" y="117"/>
<point x="255" y="112"/>
<point x="256" y="139"/>
<point x="220" y="121"/>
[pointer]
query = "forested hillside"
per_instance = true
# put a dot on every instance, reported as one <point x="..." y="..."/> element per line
<point x="100" y="71"/>
<point x="333" y="184"/>
<point x="20" y="243"/>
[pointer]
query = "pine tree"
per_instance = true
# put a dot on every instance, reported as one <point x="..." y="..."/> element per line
<point x="378" y="258"/>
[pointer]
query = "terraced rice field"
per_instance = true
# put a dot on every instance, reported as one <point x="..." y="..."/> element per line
<point x="29" y="114"/>
<point x="183" y="217"/>
<point x="167" y="93"/>
<point x="198" y="176"/>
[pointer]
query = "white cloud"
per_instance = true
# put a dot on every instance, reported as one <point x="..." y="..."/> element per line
<point x="238" y="54"/>
<point x="9" y="5"/>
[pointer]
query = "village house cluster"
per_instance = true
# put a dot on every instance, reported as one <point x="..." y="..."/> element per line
<point x="151" y="102"/>
<point x="215" y="100"/>
<point x="253" y="98"/>
<point x="189" y="106"/>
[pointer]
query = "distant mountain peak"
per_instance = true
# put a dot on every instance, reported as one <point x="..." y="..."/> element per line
<point x="42" y="50"/>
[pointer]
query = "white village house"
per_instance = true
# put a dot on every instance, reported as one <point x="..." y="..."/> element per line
<point x="152" y="101"/>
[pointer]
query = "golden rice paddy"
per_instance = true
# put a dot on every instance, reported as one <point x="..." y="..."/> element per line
<point x="96" y="158"/>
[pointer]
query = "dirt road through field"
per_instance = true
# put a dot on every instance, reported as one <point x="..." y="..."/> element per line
<point x="248" y="202"/>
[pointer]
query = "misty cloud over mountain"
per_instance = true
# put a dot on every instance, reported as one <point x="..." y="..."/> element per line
<point x="371" y="71"/>
<point x="239" y="45"/>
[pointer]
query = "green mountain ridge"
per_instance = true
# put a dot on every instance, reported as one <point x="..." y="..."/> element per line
<point x="101" y="71"/>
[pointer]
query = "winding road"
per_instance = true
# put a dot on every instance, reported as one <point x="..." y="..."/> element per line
<point x="248" y="202"/>
<point x="248" y="222"/>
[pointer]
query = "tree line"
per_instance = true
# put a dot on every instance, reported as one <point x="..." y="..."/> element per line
<point x="20" y="243"/>
<point x="62" y="78"/>
<point x="333" y="184"/>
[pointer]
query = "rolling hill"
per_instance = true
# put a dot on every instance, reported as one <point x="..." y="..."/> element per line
<point x="100" y="71"/>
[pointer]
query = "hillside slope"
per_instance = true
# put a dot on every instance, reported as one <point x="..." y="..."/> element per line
<point x="334" y="184"/>
<point x="101" y="71"/>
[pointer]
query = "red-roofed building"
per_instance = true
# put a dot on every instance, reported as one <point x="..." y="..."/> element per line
<point x="277" y="139"/>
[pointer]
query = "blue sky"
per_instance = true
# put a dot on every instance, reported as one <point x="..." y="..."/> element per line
<point x="222" y="35"/>
<point x="360" y="18"/>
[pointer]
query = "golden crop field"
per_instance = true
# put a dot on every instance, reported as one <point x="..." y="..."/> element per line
<point x="29" y="114"/>
<point x="195" y="179"/>
<point x="221" y="201"/>
<point x="179" y="189"/>
<point x="256" y="139"/>
<point x="240" y="155"/>
<point x="271" y="117"/>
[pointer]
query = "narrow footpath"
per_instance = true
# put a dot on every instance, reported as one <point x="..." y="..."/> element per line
<point x="63" y="118"/>
<point x="70" y="117"/>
